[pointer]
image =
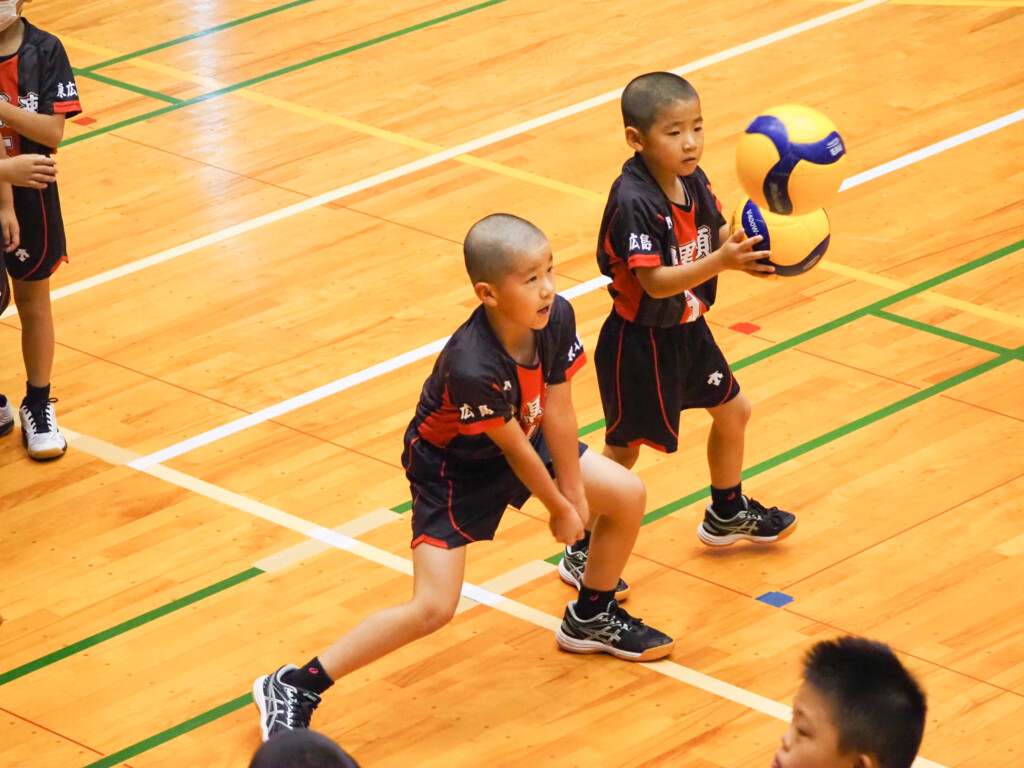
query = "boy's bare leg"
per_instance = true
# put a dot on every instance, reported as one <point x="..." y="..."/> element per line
<point x="626" y="456"/>
<point x="726" y="441"/>
<point x="616" y="498"/>
<point x="37" y="334"/>
<point x="437" y="585"/>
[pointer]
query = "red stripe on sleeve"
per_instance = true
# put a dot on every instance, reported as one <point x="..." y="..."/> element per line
<point x="478" y="427"/>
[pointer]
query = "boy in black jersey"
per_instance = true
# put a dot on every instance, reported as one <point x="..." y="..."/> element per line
<point x="37" y="94"/>
<point x="495" y="424"/>
<point x="663" y="241"/>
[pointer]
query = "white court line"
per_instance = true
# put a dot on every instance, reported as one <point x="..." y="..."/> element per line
<point x="478" y="594"/>
<point x="439" y="157"/>
<point x="387" y="366"/>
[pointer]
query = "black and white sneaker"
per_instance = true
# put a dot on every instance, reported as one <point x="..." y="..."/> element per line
<point x="753" y="523"/>
<point x="39" y="431"/>
<point x="612" y="631"/>
<point x="574" y="562"/>
<point x="6" y="416"/>
<point x="283" y="707"/>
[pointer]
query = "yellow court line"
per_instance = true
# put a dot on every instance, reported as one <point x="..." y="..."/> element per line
<point x="515" y="173"/>
<point x="932" y="296"/>
<point x="342" y="122"/>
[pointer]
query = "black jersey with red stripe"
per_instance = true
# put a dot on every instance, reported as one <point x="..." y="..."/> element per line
<point x="37" y="77"/>
<point x="476" y="385"/>
<point x="643" y="228"/>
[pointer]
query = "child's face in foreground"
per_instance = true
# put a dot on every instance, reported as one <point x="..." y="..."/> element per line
<point x="812" y="740"/>
<point x="525" y="295"/>
<point x="675" y="142"/>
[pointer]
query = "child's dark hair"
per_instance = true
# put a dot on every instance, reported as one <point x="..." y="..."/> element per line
<point x="877" y="706"/>
<point x="301" y="748"/>
<point x="493" y="243"/>
<point x="645" y="95"/>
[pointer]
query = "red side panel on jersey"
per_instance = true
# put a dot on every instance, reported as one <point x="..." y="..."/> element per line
<point x="442" y="425"/>
<point x="532" y="393"/>
<point x="628" y="291"/>
<point x="9" y="93"/>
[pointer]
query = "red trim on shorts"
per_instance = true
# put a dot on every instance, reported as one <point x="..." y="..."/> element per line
<point x="657" y="384"/>
<point x="728" y="389"/>
<point x="424" y="539"/>
<point x="618" y="388"/>
<point x="648" y="443"/>
<point x="451" y="517"/>
<point x="46" y="241"/>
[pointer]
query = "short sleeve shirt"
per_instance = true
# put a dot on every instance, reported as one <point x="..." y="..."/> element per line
<point x="641" y="227"/>
<point x="476" y="385"/>
<point x="38" y="78"/>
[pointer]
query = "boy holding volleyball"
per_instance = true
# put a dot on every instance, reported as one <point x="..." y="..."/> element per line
<point x="495" y="424"/>
<point x="663" y="241"/>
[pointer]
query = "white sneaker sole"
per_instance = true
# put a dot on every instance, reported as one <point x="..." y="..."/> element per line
<point x="259" y="699"/>
<point x="712" y="540"/>
<point x="575" y="645"/>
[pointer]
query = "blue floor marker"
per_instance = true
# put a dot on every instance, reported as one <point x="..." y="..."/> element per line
<point x="778" y="599"/>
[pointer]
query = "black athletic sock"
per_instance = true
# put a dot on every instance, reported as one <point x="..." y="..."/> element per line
<point x="3" y="401"/>
<point x="36" y="396"/>
<point x="591" y="602"/>
<point x="582" y="544"/>
<point x="311" y="676"/>
<point x="727" y="502"/>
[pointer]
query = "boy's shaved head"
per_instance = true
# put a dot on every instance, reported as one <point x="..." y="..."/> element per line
<point x="494" y="243"/>
<point x="645" y="95"/>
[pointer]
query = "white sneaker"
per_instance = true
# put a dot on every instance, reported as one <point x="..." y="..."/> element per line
<point x="6" y="417"/>
<point x="40" y="434"/>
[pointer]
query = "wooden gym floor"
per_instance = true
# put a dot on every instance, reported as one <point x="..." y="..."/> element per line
<point x="264" y="206"/>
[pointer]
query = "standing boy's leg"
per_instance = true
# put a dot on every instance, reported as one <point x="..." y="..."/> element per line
<point x="731" y="516"/>
<point x="594" y="622"/>
<point x="286" y="699"/>
<point x="38" y="418"/>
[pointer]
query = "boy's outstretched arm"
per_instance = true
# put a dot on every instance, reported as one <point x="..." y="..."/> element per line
<point x="736" y="252"/>
<point x="561" y="433"/>
<point x="566" y="523"/>
<point x="47" y="130"/>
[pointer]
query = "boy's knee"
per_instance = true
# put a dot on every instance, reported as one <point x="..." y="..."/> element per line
<point x="626" y="456"/>
<point x="431" y="615"/>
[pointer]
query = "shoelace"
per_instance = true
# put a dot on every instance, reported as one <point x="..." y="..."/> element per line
<point x="758" y="510"/>
<point x="40" y="415"/>
<point x="625" y="620"/>
<point x="300" y="709"/>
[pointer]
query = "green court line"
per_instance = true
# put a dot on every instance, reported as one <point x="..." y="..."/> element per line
<point x="277" y="73"/>
<point x="172" y="733"/>
<point x="129" y="87"/>
<point x="127" y="626"/>
<point x="1004" y="355"/>
<point x="243" y="701"/>
<point x="842" y="431"/>
<point x="870" y="309"/>
<point x="193" y="36"/>
<point x="935" y="330"/>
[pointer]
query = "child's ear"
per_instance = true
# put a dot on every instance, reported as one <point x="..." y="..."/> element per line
<point x="865" y="761"/>
<point x="486" y="293"/>
<point x="634" y="138"/>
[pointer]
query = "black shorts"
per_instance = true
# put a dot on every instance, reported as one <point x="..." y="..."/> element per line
<point x="454" y="504"/>
<point x="42" y="246"/>
<point x="648" y="375"/>
<point x="5" y="287"/>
